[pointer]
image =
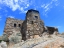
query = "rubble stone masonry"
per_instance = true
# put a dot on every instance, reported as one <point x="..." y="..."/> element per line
<point x="32" y="25"/>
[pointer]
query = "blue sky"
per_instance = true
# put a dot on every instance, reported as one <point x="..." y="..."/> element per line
<point x="51" y="11"/>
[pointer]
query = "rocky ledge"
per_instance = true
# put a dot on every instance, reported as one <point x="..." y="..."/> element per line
<point x="46" y="41"/>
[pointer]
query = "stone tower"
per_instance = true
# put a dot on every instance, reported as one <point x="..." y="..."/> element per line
<point x="31" y="24"/>
<point x="12" y="25"/>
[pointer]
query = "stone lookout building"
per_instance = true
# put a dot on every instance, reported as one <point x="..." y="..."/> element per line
<point x="32" y="25"/>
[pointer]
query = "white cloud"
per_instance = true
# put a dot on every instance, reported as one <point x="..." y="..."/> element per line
<point x="27" y="6"/>
<point x="47" y="7"/>
<point x="43" y="5"/>
<point x="11" y="16"/>
<point x="22" y="5"/>
<point x="16" y="0"/>
<point x="16" y="4"/>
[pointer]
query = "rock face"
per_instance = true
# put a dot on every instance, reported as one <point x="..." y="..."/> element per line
<point x="43" y="42"/>
<point x="55" y="43"/>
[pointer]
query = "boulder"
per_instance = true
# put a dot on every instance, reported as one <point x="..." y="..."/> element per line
<point x="3" y="44"/>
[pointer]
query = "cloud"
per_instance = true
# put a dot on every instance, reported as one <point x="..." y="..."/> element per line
<point x="22" y="5"/>
<point x="47" y="7"/>
<point x="16" y="4"/>
<point x="11" y="16"/>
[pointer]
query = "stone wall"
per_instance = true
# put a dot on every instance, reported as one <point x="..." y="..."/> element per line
<point x="12" y="25"/>
<point x="51" y="30"/>
<point x="23" y="30"/>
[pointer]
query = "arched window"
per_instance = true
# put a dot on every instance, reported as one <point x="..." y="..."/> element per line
<point x="19" y="25"/>
<point x="14" y="25"/>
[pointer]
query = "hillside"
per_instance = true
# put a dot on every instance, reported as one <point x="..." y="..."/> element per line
<point x="46" y="41"/>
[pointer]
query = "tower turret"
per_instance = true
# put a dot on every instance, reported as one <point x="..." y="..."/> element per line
<point x="32" y="25"/>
